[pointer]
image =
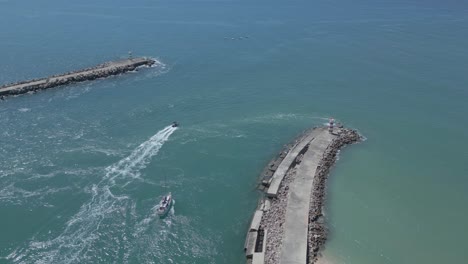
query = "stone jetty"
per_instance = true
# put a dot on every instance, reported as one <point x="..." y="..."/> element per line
<point x="100" y="71"/>
<point x="288" y="226"/>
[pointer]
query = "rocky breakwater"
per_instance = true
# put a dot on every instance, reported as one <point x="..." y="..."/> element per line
<point x="100" y="71"/>
<point x="317" y="235"/>
<point x="273" y="220"/>
<point x="272" y="166"/>
<point x="312" y="153"/>
<point x="271" y="211"/>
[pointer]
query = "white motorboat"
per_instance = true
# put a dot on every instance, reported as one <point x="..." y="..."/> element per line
<point x="165" y="205"/>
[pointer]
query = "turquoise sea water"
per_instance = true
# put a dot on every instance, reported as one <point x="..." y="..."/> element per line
<point x="81" y="167"/>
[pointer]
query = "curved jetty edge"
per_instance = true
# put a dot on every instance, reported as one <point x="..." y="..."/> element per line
<point x="100" y="71"/>
<point x="288" y="226"/>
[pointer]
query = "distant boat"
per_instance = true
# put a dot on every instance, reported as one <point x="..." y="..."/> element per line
<point x="164" y="205"/>
<point x="175" y="124"/>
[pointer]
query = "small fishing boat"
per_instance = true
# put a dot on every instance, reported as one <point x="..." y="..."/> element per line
<point x="164" y="205"/>
<point x="175" y="124"/>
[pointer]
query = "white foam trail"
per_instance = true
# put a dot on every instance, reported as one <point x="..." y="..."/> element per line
<point x="279" y="117"/>
<point x="103" y="219"/>
<point x="129" y="167"/>
<point x="158" y="68"/>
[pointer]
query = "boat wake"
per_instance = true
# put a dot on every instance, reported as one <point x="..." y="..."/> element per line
<point x="129" y="168"/>
<point x="104" y="224"/>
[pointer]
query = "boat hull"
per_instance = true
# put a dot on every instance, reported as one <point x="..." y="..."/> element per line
<point x="165" y="206"/>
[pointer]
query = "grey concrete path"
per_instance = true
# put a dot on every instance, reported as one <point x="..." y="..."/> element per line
<point x="294" y="245"/>
<point x="280" y="172"/>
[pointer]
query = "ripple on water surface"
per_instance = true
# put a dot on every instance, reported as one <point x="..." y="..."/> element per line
<point x="108" y="224"/>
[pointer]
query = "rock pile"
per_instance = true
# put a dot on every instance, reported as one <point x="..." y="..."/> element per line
<point x="89" y="74"/>
<point x="274" y="218"/>
<point x="276" y="161"/>
<point x="317" y="229"/>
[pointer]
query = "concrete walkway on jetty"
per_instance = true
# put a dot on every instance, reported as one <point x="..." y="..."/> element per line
<point x="295" y="240"/>
<point x="287" y="162"/>
<point x="291" y="229"/>
<point x="100" y="71"/>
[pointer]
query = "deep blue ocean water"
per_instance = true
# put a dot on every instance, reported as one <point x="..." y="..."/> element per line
<point x="82" y="166"/>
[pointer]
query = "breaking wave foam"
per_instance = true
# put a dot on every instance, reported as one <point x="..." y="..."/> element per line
<point x="101" y="226"/>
